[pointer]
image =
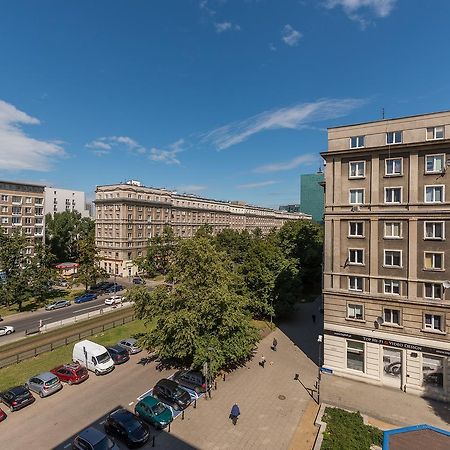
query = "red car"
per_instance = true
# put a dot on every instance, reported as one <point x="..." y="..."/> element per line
<point x="2" y="415"/>
<point x="71" y="373"/>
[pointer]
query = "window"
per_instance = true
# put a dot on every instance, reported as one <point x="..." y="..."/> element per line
<point x="434" y="194"/>
<point x="392" y="287"/>
<point x="393" y="166"/>
<point x="392" y="258"/>
<point x="356" y="196"/>
<point x="355" y="284"/>
<point x="394" y="137"/>
<point x="435" y="133"/>
<point x="434" y="163"/>
<point x="434" y="261"/>
<point x="392" y="230"/>
<point x="4" y="198"/>
<point x="355" y="355"/>
<point x="355" y="256"/>
<point x="434" y="230"/>
<point x="391" y="316"/>
<point x="393" y="195"/>
<point x="432" y="322"/>
<point x="357" y="169"/>
<point x="432" y="371"/>
<point x="357" y="141"/>
<point x="355" y="312"/>
<point x="356" y="229"/>
<point x="433" y="291"/>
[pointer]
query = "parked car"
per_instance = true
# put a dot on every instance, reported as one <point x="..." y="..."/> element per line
<point x="138" y="280"/>
<point x="17" y="397"/>
<point x="73" y="373"/>
<point x="92" y="439"/>
<point x="114" y="288"/>
<point x="153" y="412"/>
<point x="58" y="304"/>
<point x="114" y="300"/>
<point x="118" y="354"/>
<point x="85" y="298"/>
<point x="125" y="426"/>
<point x="191" y="379"/>
<point x="170" y="393"/>
<point x="93" y="356"/>
<point x="131" y="345"/>
<point x="3" y="415"/>
<point x="6" y="330"/>
<point x="44" y="384"/>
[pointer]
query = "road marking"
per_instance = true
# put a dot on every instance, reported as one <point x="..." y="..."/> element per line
<point x="86" y="309"/>
<point x="129" y="404"/>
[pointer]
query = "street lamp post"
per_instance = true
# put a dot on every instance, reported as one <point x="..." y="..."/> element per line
<point x="319" y="372"/>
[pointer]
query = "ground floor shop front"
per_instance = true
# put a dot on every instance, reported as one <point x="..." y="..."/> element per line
<point x="414" y="365"/>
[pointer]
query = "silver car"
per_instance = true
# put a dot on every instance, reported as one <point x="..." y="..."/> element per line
<point x="58" y="304"/>
<point x="44" y="384"/>
<point x="131" y="345"/>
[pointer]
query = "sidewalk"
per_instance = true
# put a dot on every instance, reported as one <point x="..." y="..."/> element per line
<point x="270" y="400"/>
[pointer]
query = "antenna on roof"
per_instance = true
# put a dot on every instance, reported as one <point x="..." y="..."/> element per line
<point x="382" y="113"/>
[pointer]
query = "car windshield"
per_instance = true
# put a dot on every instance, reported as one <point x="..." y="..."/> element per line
<point x="178" y="392"/>
<point x="159" y="408"/>
<point x="80" y="372"/>
<point x="51" y="382"/>
<point x="104" y="444"/>
<point x="103" y="358"/>
<point x="133" y="425"/>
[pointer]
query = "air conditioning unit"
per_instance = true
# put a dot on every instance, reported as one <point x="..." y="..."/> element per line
<point x="356" y="208"/>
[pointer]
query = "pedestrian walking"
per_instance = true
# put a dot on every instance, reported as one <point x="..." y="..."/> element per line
<point x="274" y="344"/>
<point x="262" y="363"/>
<point x="235" y="413"/>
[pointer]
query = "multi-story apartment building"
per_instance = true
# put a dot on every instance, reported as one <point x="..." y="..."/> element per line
<point x="22" y="208"/>
<point x="128" y="214"/>
<point x="60" y="200"/>
<point x="311" y="193"/>
<point x="387" y="258"/>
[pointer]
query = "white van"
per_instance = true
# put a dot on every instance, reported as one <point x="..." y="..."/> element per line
<point x="93" y="356"/>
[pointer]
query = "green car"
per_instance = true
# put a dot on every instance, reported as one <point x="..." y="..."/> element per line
<point x="154" y="412"/>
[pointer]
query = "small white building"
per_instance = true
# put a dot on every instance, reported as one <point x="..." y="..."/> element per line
<point x="60" y="200"/>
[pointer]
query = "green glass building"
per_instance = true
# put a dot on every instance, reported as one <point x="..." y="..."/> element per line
<point x="312" y="195"/>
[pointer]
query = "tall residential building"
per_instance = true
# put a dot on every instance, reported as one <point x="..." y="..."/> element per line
<point x="60" y="200"/>
<point x="128" y="214"/>
<point x="22" y="208"/>
<point x="387" y="262"/>
<point x="311" y="193"/>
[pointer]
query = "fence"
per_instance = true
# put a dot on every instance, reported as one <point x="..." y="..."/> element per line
<point x="60" y="341"/>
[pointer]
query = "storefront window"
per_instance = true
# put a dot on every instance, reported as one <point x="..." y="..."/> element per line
<point x="433" y="371"/>
<point x="355" y="355"/>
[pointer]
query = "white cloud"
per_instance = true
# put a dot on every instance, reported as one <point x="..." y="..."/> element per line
<point x="361" y="10"/>
<point x="103" y="145"/>
<point x="293" y="117"/>
<point x="18" y="151"/>
<point x="272" y="47"/>
<point x="290" y="36"/>
<point x="192" y="188"/>
<point x="306" y="159"/>
<point x="225" y="26"/>
<point x="257" y="185"/>
<point x="169" y="155"/>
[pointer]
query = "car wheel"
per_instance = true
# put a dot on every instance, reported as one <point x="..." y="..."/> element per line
<point x="9" y="332"/>
<point x="41" y="395"/>
<point x="97" y="372"/>
<point x="11" y="408"/>
<point x="69" y="382"/>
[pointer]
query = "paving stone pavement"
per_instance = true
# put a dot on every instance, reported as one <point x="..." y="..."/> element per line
<point x="266" y="421"/>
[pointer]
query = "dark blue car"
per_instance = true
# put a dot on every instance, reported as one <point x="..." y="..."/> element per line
<point x="85" y="298"/>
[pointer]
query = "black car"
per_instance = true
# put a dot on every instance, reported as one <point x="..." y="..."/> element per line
<point x="138" y="280"/>
<point x="113" y="288"/>
<point x="118" y="354"/>
<point x="191" y="379"/>
<point x="101" y="287"/>
<point x="170" y="393"/>
<point x="128" y="428"/>
<point x="17" y="397"/>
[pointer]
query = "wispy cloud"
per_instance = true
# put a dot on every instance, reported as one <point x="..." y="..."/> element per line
<point x="257" y="185"/>
<point x="192" y="188"/>
<point x="168" y="155"/>
<point x="104" y="145"/>
<point x="225" y="26"/>
<point x="290" y="36"/>
<point x="18" y="151"/>
<point x="272" y="47"/>
<point x="306" y="159"/>
<point x="361" y="11"/>
<point x="292" y="117"/>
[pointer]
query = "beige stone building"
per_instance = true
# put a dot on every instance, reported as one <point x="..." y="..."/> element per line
<point x="22" y="208"/>
<point x="387" y="257"/>
<point x="128" y="214"/>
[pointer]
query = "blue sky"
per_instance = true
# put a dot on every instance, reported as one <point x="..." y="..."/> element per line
<point x="227" y="99"/>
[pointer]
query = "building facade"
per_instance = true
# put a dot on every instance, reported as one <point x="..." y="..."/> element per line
<point x="22" y="209"/>
<point x="387" y="258"/>
<point x="129" y="214"/>
<point x="60" y="200"/>
<point x="311" y="193"/>
<point x="290" y="208"/>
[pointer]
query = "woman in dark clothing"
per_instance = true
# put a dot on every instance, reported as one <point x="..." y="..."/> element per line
<point x="235" y="413"/>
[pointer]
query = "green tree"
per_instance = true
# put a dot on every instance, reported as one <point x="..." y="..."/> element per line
<point x="63" y="231"/>
<point x="200" y="317"/>
<point x="89" y="270"/>
<point x="42" y="271"/>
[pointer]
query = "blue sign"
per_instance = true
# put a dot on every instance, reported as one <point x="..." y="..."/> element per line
<point x="326" y="370"/>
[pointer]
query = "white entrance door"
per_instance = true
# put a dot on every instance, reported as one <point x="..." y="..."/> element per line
<point x="392" y="367"/>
